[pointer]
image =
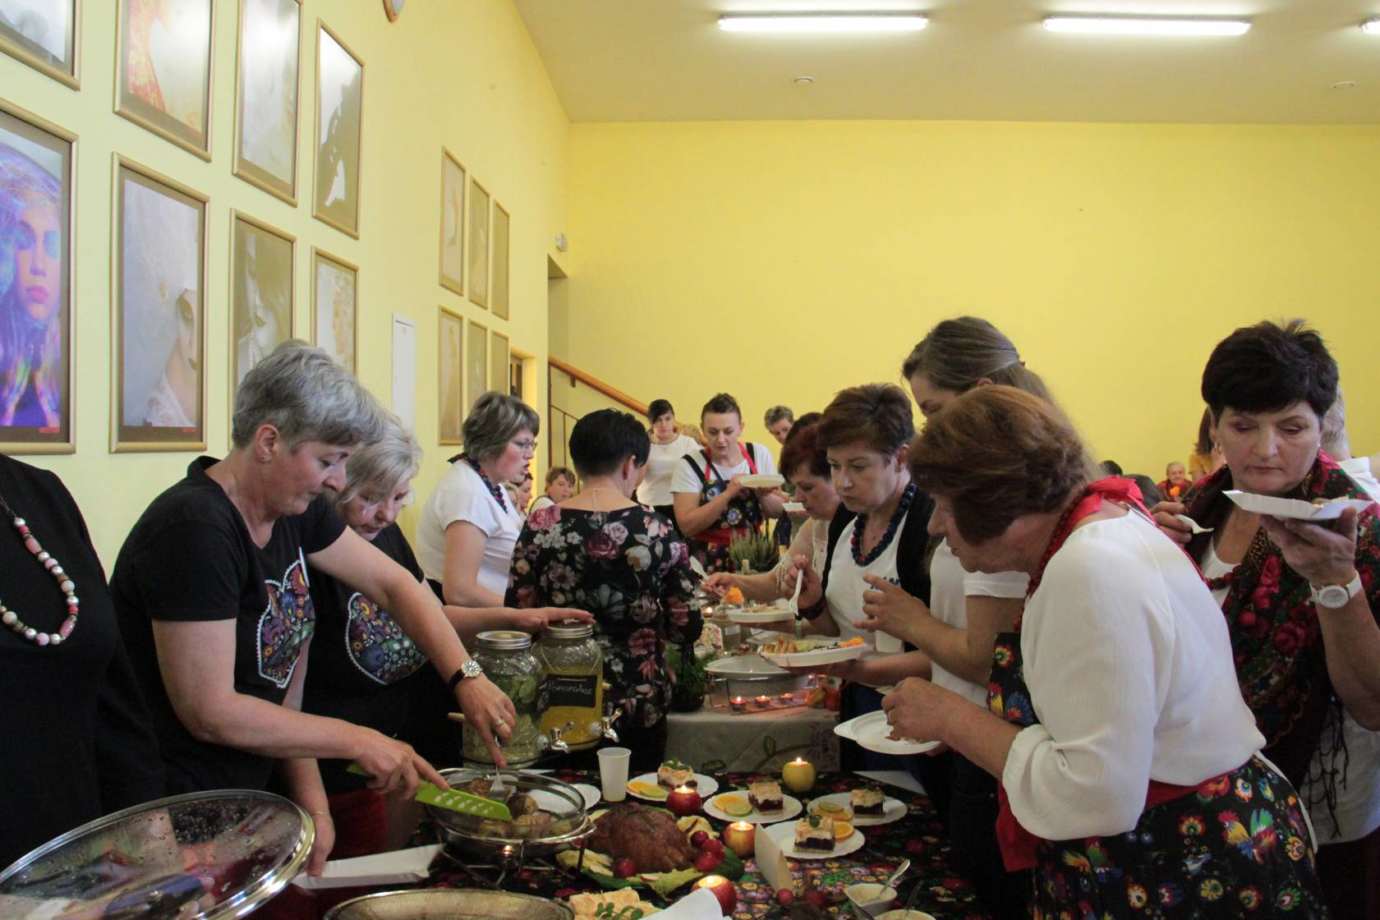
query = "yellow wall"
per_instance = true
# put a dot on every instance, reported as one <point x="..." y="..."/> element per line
<point x="465" y="75"/>
<point x="781" y="261"/>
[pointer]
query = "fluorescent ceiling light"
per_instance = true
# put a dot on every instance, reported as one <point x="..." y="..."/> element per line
<point x="1148" y="25"/>
<point x="825" y="23"/>
<point x="1372" y="26"/>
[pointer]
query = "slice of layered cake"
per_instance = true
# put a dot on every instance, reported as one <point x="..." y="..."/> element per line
<point x="765" y="795"/>
<point x="815" y="833"/>
<point x="673" y="773"/>
<point x="868" y="801"/>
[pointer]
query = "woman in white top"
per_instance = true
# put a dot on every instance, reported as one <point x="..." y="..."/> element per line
<point x="669" y="448"/>
<point x="560" y="485"/>
<point x="1128" y="758"/>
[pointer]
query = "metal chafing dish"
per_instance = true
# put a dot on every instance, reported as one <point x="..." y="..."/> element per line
<point x="555" y="817"/>
<point x="450" y="904"/>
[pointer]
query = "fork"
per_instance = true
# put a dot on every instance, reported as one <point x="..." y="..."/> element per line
<point x="1193" y="525"/>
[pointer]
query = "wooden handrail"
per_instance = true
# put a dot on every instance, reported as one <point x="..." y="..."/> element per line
<point x="595" y="383"/>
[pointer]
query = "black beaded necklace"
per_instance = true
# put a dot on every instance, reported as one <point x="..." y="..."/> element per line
<point x="495" y="491"/>
<point x="860" y="522"/>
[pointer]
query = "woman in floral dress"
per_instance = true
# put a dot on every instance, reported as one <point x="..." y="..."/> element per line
<point x="623" y="562"/>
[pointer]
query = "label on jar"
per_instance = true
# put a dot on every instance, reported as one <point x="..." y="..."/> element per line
<point x="580" y="692"/>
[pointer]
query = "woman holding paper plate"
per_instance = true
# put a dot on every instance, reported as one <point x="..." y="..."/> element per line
<point x="1128" y="759"/>
<point x="1300" y="598"/>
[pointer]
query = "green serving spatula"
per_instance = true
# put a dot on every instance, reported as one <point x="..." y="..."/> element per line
<point x="465" y="803"/>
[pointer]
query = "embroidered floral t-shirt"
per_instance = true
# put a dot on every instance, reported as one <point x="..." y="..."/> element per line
<point x="631" y="570"/>
<point x="190" y="557"/>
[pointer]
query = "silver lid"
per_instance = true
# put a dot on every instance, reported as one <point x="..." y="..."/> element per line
<point x="504" y="640"/>
<point x="569" y="629"/>
<point x="451" y="904"/>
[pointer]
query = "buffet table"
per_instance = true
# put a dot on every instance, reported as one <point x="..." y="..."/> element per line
<point x="718" y="739"/>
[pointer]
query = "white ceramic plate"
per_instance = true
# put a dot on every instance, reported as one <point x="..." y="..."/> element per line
<point x="872" y="732"/>
<point x="816" y="657"/>
<point x="793" y="507"/>
<point x="763" y="480"/>
<point x="591" y="794"/>
<point x="1293" y="507"/>
<point x="790" y="807"/>
<point x="706" y="787"/>
<point x="744" y="666"/>
<point x="892" y="810"/>
<point x="784" y="835"/>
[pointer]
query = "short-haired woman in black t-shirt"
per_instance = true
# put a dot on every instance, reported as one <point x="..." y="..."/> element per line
<point x="212" y="595"/>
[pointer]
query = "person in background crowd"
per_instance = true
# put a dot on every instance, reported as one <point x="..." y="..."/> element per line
<point x="1337" y="445"/>
<point x="1206" y="457"/>
<point x="1150" y="494"/>
<point x="668" y="451"/>
<point x="1300" y="599"/>
<point x="1110" y="468"/>
<point x="779" y="420"/>
<point x="1150" y="797"/>
<point x="560" y="485"/>
<point x="712" y="505"/>
<point x="1176" y="481"/>
<point x="520" y="489"/>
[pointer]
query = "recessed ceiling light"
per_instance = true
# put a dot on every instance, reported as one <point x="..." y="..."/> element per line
<point x="1344" y="84"/>
<point x="1145" y="25"/>
<point x="1372" y="26"/>
<point x="803" y="80"/>
<point x="825" y="23"/>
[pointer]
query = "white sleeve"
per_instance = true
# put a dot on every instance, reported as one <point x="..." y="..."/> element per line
<point x="684" y="479"/>
<point x="465" y="499"/>
<point x="1089" y="663"/>
<point x="766" y="464"/>
<point x="995" y="584"/>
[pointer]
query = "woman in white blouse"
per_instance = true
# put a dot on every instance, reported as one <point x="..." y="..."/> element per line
<point x="1128" y="759"/>
<point x="669" y="448"/>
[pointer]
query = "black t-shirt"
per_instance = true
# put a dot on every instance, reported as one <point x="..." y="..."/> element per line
<point x="77" y="743"/>
<point x="190" y="557"/>
<point x="362" y="667"/>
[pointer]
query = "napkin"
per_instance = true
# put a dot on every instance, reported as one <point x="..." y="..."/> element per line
<point x="399" y="867"/>
<point x="771" y="862"/>
<point x="701" y="904"/>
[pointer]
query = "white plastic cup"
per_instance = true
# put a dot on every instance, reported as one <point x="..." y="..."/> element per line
<point x="613" y="772"/>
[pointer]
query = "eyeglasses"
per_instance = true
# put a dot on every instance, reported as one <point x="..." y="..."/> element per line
<point x="373" y="501"/>
<point x="526" y="445"/>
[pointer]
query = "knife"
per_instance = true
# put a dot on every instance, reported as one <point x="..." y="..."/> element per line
<point x="465" y="803"/>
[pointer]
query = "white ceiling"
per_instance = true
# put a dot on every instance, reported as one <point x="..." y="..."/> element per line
<point x="666" y="60"/>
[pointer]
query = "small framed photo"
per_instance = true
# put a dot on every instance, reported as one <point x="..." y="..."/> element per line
<point x="478" y="249"/>
<point x="339" y="126"/>
<point x="334" y="307"/>
<point x="44" y="35"/>
<point x="498" y="362"/>
<point x="163" y="69"/>
<point x="267" y="66"/>
<point x="159" y="321"/>
<point x="498" y="284"/>
<point x="36" y="347"/>
<point x="476" y="364"/>
<point x="451" y="377"/>
<point x="452" y="223"/>
<point x="261" y="293"/>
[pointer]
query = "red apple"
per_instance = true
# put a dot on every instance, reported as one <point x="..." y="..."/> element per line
<point x="698" y="838"/>
<point x="625" y="868"/>
<point x="785" y="897"/>
<point x="723" y="890"/>
<point x="713" y="845"/>
<point x="683" y="801"/>
<point x="707" y="862"/>
<point x="741" y="838"/>
<point x="816" y="898"/>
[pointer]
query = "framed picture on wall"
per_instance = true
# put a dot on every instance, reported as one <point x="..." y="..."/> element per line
<point x="339" y="123"/>
<point x="36" y="209"/>
<point x="43" y="34"/>
<point x="452" y="223"/>
<point x="267" y="62"/>
<point x="476" y="364"/>
<point x="158" y="333"/>
<point x="451" y="370"/>
<point x="498" y="284"/>
<point x="163" y="69"/>
<point x="261" y="293"/>
<point x="498" y="362"/>
<point x="478" y="249"/>
<point x="334" y="306"/>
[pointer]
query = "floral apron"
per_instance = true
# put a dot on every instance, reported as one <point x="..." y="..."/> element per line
<point x="742" y="518"/>
<point x="1235" y="845"/>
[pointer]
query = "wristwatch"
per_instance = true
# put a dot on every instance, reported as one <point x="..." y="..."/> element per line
<point x="469" y="669"/>
<point x="1333" y="597"/>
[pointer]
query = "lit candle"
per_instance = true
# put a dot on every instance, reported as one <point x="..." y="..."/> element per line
<point x="738" y="703"/>
<point x="741" y="838"/>
<point x="763" y="700"/>
<point x="787" y="696"/>
<point x="723" y="890"/>
<point x="683" y="801"/>
<point x="798" y="775"/>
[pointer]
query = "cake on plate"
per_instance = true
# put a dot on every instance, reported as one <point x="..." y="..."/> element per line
<point x="815" y="833"/>
<point x="673" y="773"/>
<point x="868" y="800"/>
<point x="765" y="795"/>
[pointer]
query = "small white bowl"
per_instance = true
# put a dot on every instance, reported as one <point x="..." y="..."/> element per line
<point x="871" y="898"/>
<point x="906" y="915"/>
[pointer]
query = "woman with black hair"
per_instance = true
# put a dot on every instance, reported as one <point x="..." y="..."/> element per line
<point x="668" y="448"/>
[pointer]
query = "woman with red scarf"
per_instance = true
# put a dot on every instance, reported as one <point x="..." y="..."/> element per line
<point x="1300" y="599"/>
<point x="1129" y="764"/>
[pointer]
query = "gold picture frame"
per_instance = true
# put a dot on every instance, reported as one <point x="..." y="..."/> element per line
<point x="477" y="252"/>
<point x="263" y="293"/>
<point x="40" y="158"/>
<point x="158" y="288"/>
<point x="334" y="158"/>
<point x="476" y="363"/>
<point x="327" y="328"/>
<point x="450" y="376"/>
<point x="139" y="89"/>
<point x="498" y="361"/>
<point x="32" y="50"/>
<point x="499" y="272"/>
<point x="254" y="166"/>
<point x="452" y="254"/>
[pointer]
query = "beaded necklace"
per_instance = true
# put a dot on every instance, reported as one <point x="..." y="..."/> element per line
<point x="68" y="587"/>
<point x="902" y="507"/>
<point x="495" y="491"/>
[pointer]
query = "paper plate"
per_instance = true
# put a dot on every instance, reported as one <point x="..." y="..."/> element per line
<point x="1294" y="508"/>
<point x="872" y="732"/>
<point x="706" y="786"/>
<point x="762" y="480"/>
<point x="790" y="807"/>
<point x="892" y="810"/>
<point x="784" y="835"/>
<point x="773" y="613"/>
<point x="744" y="666"/>
<point x="816" y="657"/>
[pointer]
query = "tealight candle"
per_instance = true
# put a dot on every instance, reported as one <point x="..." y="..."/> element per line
<point x="683" y="801"/>
<point x="763" y="700"/>
<point x="738" y="703"/>
<point x="723" y="890"/>
<point x="798" y="775"/>
<point x="741" y="838"/>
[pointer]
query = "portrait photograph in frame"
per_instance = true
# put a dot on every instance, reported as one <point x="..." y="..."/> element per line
<point x="158" y="336"/>
<point x="498" y="362"/>
<point x="476" y="363"/>
<point x="267" y="67"/>
<point x="452" y="223"/>
<point x="498" y="281"/>
<point x="37" y="201"/>
<point x="44" y="35"/>
<point x="261" y="293"/>
<point x="334" y="306"/>
<point x="339" y="126"/>
<point x="477" y="252"/>
<point x="451" y="377"/>
<point x="163" y="69"/>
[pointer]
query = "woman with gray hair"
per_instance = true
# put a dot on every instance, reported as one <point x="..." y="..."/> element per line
<point x="212" y="594"/>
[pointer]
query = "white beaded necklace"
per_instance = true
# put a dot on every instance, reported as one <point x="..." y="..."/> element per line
<point x="66" y="585"/>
